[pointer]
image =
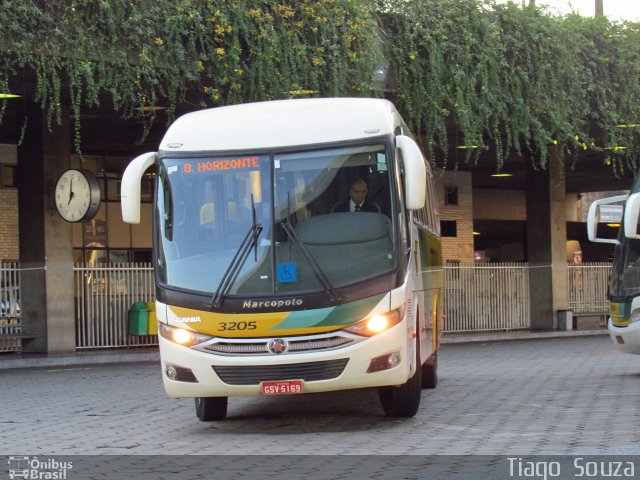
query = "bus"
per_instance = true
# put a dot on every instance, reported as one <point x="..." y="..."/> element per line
<point x="262" y="287"/>
<point x="624" y="282"/>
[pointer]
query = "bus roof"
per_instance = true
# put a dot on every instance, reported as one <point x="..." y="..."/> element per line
<point x="281" y="123"/>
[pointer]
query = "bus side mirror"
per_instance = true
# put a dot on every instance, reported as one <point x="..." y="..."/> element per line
<point x="415" y="173"/>
<point x="130" y="186"/>
<point x="631" y="214"/>
<point x="601" y="212"/>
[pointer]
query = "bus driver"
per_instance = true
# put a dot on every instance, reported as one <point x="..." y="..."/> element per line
<point x="357" y="200"/>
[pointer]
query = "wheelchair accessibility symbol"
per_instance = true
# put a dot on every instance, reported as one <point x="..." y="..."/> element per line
<point x="287" y="273"/>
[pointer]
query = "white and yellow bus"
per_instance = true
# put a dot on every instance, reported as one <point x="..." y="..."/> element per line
<point x="624" y="281"/>
<point x="262" y="287"/>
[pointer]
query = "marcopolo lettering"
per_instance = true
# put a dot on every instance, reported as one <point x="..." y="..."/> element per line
<point x="289" y="302"/>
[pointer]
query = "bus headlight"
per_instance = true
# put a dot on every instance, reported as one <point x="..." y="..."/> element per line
<point x="182" y="336"/>
<point x="377" y="323"/>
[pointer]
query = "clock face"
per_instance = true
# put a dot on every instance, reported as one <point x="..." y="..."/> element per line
<point x="77" y="195"/>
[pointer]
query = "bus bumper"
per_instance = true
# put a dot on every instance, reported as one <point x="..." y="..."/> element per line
<point x="206" y="383"/>
<point x="626" y="339"/>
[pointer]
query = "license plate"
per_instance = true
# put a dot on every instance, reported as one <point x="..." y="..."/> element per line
<point x="282" y="387"/>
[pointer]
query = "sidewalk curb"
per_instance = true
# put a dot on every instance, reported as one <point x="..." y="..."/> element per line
<point x="458" y="338"/>
<point x="46" y="361"/>
<point x="152" y="355"/>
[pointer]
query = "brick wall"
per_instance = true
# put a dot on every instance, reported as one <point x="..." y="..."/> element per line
<point x="459" y="247"/>
<point x="9" y="248"/>
<point x="9" y="245"/>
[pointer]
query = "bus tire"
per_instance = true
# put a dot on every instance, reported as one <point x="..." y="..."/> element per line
<point x="209" y="409"/>
<point x="404" y="400"/>
<point x="430" y="371"/>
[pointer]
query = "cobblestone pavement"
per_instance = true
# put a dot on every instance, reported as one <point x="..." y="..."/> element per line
<point x="561" y="396"/>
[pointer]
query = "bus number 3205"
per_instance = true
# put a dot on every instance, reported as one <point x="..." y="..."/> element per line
<point x="226" y="326"/>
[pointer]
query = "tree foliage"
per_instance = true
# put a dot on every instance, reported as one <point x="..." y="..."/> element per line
<point x="516" y="78"/>
<point x="217" y="51"/>
<point x="499" y="75"/>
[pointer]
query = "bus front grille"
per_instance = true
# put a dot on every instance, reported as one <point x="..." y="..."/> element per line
<point x="224" y="346"/>
<point x="253" y="375"/>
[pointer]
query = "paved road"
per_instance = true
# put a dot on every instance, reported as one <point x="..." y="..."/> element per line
<point x="561" y="396"/>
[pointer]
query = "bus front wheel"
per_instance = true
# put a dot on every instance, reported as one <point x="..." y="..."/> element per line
<point x="209" y="409"/>
<point x="403" y="401"/>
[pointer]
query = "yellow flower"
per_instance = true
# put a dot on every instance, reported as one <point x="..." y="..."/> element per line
<point x="220" y="51"/>
<point x="317" y="61"/>
<point x="158" y="41"/>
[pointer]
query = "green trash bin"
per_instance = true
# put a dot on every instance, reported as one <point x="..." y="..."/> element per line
<point x="138" y="319"/>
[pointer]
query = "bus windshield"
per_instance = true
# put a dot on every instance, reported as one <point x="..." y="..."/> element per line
<point x="289" y="209"/>
<point x="625" y="275"/>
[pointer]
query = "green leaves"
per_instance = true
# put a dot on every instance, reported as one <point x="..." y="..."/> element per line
<point x="466" y="71"/>
<point x="158" y="51"/>
<point x="517" y="78"/>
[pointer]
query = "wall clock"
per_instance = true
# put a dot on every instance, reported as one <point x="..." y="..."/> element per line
<point x="77" y="195"/>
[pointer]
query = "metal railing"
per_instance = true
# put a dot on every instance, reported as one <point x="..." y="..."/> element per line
<point x="478" y="297"/>
<point x="10" y="289"/>
<point x="103" y="296"/>
<point x="10" y="311"/>
<point x="487" y="297"/>
<point x="587" y="285"/>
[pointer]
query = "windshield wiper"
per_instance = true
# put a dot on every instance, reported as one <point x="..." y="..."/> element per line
<point x="237" y="262"/>
<point x="291" y="234"/>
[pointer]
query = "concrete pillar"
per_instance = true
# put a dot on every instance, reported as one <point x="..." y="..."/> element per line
<point x="46" y="248"/>
<point x="546" y="242"/>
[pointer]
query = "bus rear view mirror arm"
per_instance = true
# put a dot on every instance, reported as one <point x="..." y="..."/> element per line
<point x="131" y="186"/>
<point x="415" y="173"/>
